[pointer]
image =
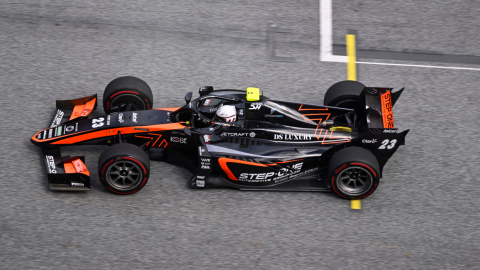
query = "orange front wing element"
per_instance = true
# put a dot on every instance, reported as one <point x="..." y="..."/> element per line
<point x="76" y="166"/>
<point x="83" y="109"/>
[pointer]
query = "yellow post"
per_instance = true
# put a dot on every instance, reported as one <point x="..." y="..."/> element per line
<point x="352" y="76"/>
<point x="356" y="204"/>
<point x="352" y="58"/>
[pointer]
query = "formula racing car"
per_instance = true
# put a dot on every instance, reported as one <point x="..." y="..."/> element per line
<point x="228" y="138"/>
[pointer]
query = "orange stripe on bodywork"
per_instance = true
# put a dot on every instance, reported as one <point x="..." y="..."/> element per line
<point x="83" y="109"/>
<point x="223" y="164"/>
<point x="316" y="109"/>
<point x="89" y="135"/>
<point x="172" y="109"/>
<point x="320" y="117"/>
<point x="386" y="100"/>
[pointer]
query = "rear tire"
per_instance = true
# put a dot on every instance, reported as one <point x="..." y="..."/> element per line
<point x="123" y="168"/>
<point x="343" y="94"/>
<point x="354" y="173"/>
<point x="127" y="94"/>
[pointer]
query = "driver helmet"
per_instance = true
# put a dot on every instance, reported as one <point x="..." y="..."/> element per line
<point x="228" y="113"/>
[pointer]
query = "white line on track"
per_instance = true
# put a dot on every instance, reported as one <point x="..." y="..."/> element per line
<point x="326" y="55"/>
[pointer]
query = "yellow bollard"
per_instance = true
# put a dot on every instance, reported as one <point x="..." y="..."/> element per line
<point x="352" y="58"/>
<point x="356" y="204"/>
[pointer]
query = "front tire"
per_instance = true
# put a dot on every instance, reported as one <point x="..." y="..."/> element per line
<point x="127" y="94"/>
<point x="343" y="94"/>
<point x="354" y="173"/>
<point x="123" y="168"/>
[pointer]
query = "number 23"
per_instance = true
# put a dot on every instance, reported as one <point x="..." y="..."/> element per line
<point x="388" y="144"/>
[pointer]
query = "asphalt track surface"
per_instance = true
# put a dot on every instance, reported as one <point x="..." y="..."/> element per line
<point x="424" y="215"/>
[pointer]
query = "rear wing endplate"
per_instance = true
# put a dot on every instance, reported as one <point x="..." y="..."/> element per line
<point x="378" y="106"/>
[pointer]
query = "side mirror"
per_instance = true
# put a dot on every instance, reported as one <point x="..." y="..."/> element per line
<point x="188" y="97"/>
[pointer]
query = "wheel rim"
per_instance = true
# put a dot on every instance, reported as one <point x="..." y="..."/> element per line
<point x="127" y="102"/>
<point x="124" y="175"/>
<point x="355" y="181"/>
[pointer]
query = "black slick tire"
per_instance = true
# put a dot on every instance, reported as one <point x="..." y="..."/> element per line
<point x="343" y="94"/>
<point x="127" y="94"/>
<point x="354" y="173"/>
<point x="124" y="168"/>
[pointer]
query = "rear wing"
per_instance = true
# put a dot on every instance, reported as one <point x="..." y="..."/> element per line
<point x="75" y="108"/>
<point x="66" y="173"/>
<point x="376" y="107"/>
<point x="375" y="114"/>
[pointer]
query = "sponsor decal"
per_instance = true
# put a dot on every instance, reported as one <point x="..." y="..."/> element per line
<point x="120" y="118"/>
<point x="200" y="176"/>
<point x="386" y="101"/>
<point x="389" y="131"/>
<point x="234" y="134"/>
<point x="292" y="137"/>
<point x="77" y="184"/>
<point x="59" y="131"/>
<point x="207" y="101"/>
<point x="44" y="134"/>
<point x="200" y="150"/>
<point x="240" y="111"/>
<point x="79" y="167"/>
<point x="369" y="140"/>
<point x="205" y="163"/>
<point x="76" y="127"/>
<point x="190" y="105"/>
<point x="255" y="106"/>
<point x="134" y="117"/>
<point x="176" y="132"/>
<point x="252" y="134"/>
<point x="96" y="123"/>
<point x="69" y="128"/>
<point x="205" y="120"/>
<point x="274" y="115"/>
<point x="85" y="112"/>
<point x="206" y="138"/>
<point x="287" y="172"/>
<point x="52" y="168"/>
<point x="58" y="118"/>
<point x="272" y="111"/>
<point x="141" y="129"/>
<point x="178" y="140"/>
<point x="39" y="135"/>
<point x="108" y="120"/>
<point x="200" y="183"/>
<point x="50" y="133"/>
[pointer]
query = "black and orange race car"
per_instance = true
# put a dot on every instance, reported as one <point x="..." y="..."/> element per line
<point x="341" y="146"/>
